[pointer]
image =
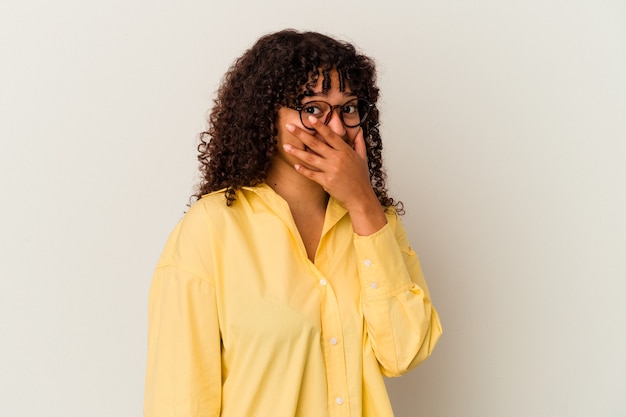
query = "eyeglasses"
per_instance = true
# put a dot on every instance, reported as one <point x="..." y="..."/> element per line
<point x="352" y="113"/>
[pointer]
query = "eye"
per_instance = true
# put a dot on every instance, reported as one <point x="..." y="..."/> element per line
<point x="313" y="109"/>
<point x="350" y="109"/>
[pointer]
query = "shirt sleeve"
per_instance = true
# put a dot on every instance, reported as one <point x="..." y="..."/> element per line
<point x="183" y="376"/>
<point x="402" y="325"/>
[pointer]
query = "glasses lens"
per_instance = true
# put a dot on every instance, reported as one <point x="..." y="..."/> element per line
<point x="317" y="109"/>
<point x="353" y="113"/>
<point x="350" y="113"/>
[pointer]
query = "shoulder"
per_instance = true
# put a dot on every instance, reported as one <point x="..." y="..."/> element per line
<point x="397" y="226"/>
<point x="392" y="218"/>
<point x="205" y="207"/>
<point x="194" y="240"/>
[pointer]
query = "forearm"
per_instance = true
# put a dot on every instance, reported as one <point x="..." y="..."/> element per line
<point x="402" y="324"/>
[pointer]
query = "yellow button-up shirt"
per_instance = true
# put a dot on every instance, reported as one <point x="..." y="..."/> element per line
<point x="242" y="323"/>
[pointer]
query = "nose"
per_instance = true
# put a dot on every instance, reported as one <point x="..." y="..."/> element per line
<point x="335" y="122"/>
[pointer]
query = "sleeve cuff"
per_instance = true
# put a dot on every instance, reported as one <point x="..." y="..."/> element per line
<point x="382" y="269"/>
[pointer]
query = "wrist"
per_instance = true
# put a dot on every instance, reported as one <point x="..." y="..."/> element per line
<point x="367" y="215"/>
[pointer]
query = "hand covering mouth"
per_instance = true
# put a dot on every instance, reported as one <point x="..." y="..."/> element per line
<point x="307" y="149"/>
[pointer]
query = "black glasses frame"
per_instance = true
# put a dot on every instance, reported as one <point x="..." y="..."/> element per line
<point x="366" y="105"/>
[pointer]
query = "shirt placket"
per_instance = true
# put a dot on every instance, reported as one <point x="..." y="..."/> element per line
<point x="333" y="349"/>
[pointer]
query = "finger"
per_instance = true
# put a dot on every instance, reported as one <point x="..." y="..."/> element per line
<point x="316" y="145"/>
<point x="359" y="145"/>
<point x="309" y="173"/>
<point x="306" y="157"/>
<point x="332" y="139"/>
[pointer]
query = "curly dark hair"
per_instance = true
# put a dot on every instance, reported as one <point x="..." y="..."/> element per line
<point x="279" y="71"/>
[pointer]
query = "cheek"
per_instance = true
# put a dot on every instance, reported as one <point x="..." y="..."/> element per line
<point x="285" y="137"/>
<point x="287" y="116"/>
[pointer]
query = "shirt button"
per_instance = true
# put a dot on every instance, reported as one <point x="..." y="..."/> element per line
<point x="339" y="400"/>
<point x="333" y="341"/>
<point x="373" y="285"/>
<point x="323" y="281"/>
<point x="367" y="262"/>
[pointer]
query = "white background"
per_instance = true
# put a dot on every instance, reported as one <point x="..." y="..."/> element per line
<point x="504" y="125"/>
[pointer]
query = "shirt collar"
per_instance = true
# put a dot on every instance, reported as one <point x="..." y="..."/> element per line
<point x="268" y="199"/>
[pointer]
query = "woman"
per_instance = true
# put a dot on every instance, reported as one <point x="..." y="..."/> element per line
<point x="289" y="288"/>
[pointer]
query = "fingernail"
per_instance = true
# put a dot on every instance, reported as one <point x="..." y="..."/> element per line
<point x="312" y="119"/>
<point x="290" y="127"/>
<point x="287" y="147"/>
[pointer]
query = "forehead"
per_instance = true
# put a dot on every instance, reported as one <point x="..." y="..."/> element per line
<point x="333" y="95"/>
<point x="325" y="81"/>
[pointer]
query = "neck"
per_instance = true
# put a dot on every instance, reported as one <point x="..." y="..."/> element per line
<point x="300" y="193"/>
